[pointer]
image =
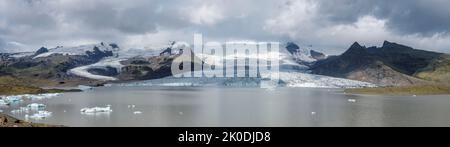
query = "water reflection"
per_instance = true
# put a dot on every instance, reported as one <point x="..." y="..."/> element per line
<point x="245" y="107"/>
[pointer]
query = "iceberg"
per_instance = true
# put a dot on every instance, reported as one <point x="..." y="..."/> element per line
<point x="3" y="102"/>
<point x="96" y="110"/>
<point x="21" y="110"/>
<point x="40" y="115"/>
<point x="13" y="99"/>
<point x="36" y="106"/>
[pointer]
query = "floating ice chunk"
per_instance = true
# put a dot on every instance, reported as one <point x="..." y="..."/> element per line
<point x="313" y="113"/>
<point x="351" y="100"/>
<point x="181" y="113"/>
<point x="414" y="95"/>
<point x="13" y="99"/>
<point x="21" y="110"/>
<point x="137" y="112"/>
<point x="3" y="102"/>
<point x="36" y="106"/>
<point x="40" y="115"/>
<point x="96" y="110"/>
<point x="131" y="106"/>
<point x="85" y="88"/>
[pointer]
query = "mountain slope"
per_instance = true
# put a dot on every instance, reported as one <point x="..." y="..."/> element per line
<point x="438" y="70"/>
<point x="390" y="65"/>
<point x="53" y="64"/>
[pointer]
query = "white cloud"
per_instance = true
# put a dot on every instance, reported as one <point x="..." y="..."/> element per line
<point x="206" y="14"/>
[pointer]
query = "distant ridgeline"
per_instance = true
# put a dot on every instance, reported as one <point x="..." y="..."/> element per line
<point x="391" y="65"/>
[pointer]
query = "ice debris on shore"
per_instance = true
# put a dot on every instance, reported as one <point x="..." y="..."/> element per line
<point x="85" y="88"/>
<point x="96" y="110"/>
<point x="20" y="98"/>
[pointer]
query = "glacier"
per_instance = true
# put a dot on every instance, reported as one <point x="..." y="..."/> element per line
<point x="293" y="71"/>
<point x="82" y="71"/>
<point x="287" y="79"/>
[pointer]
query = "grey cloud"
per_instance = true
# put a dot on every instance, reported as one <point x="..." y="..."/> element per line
<point x="424" y="17"/>
<point x="56" y="22"/>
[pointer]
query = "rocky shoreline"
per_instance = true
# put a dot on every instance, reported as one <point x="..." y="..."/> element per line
<point x="8" y="121"/>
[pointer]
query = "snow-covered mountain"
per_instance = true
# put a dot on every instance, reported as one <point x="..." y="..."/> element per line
<point x="82" y="50"/>
<point x="294" y="66"/>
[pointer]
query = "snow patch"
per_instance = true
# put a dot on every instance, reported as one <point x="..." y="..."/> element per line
<point x="79" y="50"/>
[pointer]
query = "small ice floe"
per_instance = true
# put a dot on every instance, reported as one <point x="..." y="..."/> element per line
<point x="132" y="106"/>
<point x="40" y="115"/>
<point x="85" y="88"/>
<point x="137" y="112"/>
<point x="313" y="113"/>
<point x="414" y="95"/>
<point x="96" y="110"/>
<point x="3" y="102"/>
<point x="13" y="99"/>
<point x="181" y="113"/>
<point x="352" y="100"/>
<point x="36" y="106"/>
<point x="21" y="110"/>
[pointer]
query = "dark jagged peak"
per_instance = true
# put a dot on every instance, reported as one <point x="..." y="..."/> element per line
<point x="317" y="55"/>
<point x="392" y="45"/>
<point x="114" y="46"/>
<point x="356" y="45"/>
<point x="41" y="51"/>
<point x="292" y="47"/>
<point x="355" y="49"/>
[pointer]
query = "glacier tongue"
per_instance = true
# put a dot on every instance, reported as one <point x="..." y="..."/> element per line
<point x="107" y="62"/>
<point x="287" y="79"/>
<point x="296" y="79"/>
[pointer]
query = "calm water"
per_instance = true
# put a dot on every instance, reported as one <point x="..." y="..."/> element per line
<point x="244" y="107"/>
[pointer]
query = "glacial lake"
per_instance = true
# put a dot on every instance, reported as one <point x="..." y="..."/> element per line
<point x="242" y="107"/>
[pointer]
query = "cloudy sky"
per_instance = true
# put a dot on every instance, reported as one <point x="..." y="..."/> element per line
<point x="328" y="25"/>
